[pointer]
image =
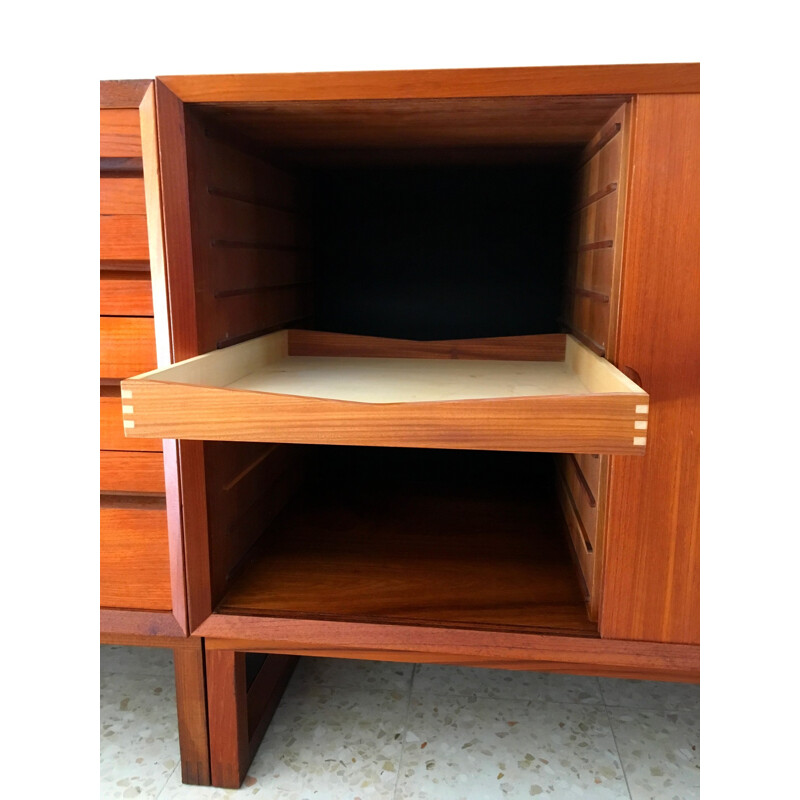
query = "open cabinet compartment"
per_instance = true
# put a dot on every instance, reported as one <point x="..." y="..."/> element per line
<point x="338" y="246"/>
<point x="468" y="540"/>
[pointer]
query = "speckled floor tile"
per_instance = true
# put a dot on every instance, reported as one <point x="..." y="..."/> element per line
<point x="252" y="787"/>
<point x="660" y="752"/>
<point x="156" y="661"/>
<point x="433" y="679"/>
<point x="649" y="694"/>
<point x="338" y="743"/>
<point x="139" y="735"/>
<point x="346" y="673"/>
<point x="459" y="747"/>
<point x="322" y="743"/>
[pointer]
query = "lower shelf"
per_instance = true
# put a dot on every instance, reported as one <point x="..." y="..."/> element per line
<point x="431" y="555"/>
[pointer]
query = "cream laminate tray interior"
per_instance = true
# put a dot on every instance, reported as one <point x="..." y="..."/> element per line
<point x="546" y="393"/>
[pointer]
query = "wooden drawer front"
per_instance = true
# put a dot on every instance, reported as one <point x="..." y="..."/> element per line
<point x="112" y="435"/>
<point x="124" y="238"/>
<point x="126" y="294"/>
<point x="581" y="546"/>
<point x="119" y="195"/>
<point x="585" y="501"/>
<point x="120" y="134"/>
<point x="127" y="346"/>
<point x="131" y="472"/>
<point x="134" y="559"/>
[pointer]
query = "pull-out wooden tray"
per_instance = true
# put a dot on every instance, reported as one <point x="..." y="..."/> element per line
<point x="535" y="393"/>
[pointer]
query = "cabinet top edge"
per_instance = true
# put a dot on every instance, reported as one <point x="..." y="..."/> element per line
<point x="606" y="79"/>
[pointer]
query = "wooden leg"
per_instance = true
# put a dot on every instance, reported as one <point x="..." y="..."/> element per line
<point x="238" y="718"/>
<point x="190" y="692"/>
<point x="227" y="717"/>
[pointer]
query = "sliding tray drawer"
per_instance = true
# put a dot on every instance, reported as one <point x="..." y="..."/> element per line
<point x="533" y="393"/>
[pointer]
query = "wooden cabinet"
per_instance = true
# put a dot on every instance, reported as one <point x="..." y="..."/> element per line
<point x="331" y="215"/>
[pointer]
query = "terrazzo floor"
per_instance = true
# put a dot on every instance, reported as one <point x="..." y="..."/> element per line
<point x="359" y="730"/>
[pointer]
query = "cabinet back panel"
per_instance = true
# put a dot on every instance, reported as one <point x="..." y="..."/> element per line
<point x="439" y="252"/>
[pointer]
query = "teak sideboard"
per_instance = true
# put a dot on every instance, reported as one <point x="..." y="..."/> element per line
<point x="398" y="366"/>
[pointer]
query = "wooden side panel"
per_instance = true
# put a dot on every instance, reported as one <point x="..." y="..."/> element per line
<point x="249" y="242"/>
<point x="593" y="274"/>
<point x="125" y="294"/>
<point x="250" y="274"/>
<point x="652" y="559"/>
<point x="590" y="313"/>
<point x="578" y="537"/>
<point x="131" y="472"/>
<point x="584" y="501"/>
<point x="247" y="484"/>
<point x="127" y="346"/>
<point x="134" y="559"/>
<point x="119" y="133"/>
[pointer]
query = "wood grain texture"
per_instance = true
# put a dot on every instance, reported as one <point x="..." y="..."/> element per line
<point x="193" y="400"/>
<point x="544" y="347"/>
<point x="190" y="696"/>
<point x="134" y="559"/>
<point x="265" y="694"/>
<point x="227" y="718"/>
<point x="125" y="294"/>
<point x="179" y="278"/>
<point x="583" y="501"/>
<point x="515" y="81"/>
<point x="433" y="645"/>
<point x="652" y="552"/>
<point x="123" y="94"/>
<point x="121" y="195"/>
<point x="112" y="433"/>
<point x="152" y="191"/>
<point x="416" y="123"/>
<point x="140" y="628"/>
<point x="127" y="346"/>
<point x="578" y="538"/>
<point x="468" y="557"/>
<point x="587" y="424"/>
<point x="247" y="486"/>
<point x="123" y="238"/>
<point x="244" y="215"/>
<point x="119" y="133"/>
<point x="131" y="472"/>
<point x="174" y="304"/>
